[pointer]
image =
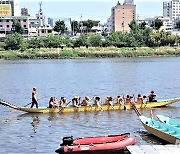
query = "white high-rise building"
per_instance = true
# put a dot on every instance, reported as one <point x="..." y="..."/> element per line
<point x="171" y="9"/>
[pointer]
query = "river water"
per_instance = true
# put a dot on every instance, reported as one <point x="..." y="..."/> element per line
<point x="42" y="133"/>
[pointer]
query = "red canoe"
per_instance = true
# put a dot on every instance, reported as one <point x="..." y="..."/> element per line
<point x="92" y="144"/>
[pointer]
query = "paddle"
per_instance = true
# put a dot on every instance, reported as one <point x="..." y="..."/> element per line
<point x="124" y="103"/>
<point x="135" y="109"/>
<point x="37" y="100"/>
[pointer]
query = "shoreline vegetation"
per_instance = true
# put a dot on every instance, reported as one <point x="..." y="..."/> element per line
<point x="91" y="52"/>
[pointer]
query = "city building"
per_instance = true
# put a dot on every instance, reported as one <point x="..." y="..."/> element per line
<point x="33" y="26"/>
<point x="9" y="8"/>
<point x="7" y="27"/>
<point x="122" y="15"/>
<point x="167" y="22"/>
<point x="171" y="9"/>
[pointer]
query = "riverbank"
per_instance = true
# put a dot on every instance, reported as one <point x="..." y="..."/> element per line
<point x="54" y="53"/>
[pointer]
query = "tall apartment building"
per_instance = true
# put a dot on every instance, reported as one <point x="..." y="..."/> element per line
<point x="122" y="15"/>
<point x="171" y="9"/>
<point x="9" y="8"/>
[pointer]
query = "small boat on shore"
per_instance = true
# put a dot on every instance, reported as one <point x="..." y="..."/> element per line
<point x="95" y="144"/>
<point x="161" y="130"/>
<point x="169" y="121"/>
<point x="91" y="108"/>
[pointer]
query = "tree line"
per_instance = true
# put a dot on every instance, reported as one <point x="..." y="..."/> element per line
<point x="139" y="36"/>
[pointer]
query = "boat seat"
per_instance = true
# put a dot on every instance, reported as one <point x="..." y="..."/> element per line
<point x="175" y="125"/>
<point x="156" y="127"/>
<point x="162" y="129"/>
<point x="178" y="135"/>
<point x="171" y="132"/>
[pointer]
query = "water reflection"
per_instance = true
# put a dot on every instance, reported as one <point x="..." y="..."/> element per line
<point x="35" y="123"/>
<point x="52" y="117"/>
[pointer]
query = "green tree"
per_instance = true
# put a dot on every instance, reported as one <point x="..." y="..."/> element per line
<point x="75" y="26"/>
<point x="134" y="26"/>
<point x="36" y="43"/>
<point x="88" y="24"/>
<point x="157" y="23"/>
<point x="17" y="27"/>
<point x="80" y="41"/>
<point x="118" y="39"/>
<point x="142" y="25"/>
<point x="94" y="40"/>
<point x="14" y="41"/>
<point x="52" y="41"/>
<point x="60" y="27"/>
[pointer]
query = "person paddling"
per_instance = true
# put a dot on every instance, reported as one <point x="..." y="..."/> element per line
<point x="139" y="99"/>
<point x="97" y="101"/>
<point x="152" y="96"/>
<point x="119" y="100"/>
<point x="34" y="98"/>
<point x="85" y="101"/>
<point x="62" y="102"/>
<point x="75" y="101"/>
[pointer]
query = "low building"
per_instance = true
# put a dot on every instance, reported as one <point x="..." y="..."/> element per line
<point x="7" y="27"/>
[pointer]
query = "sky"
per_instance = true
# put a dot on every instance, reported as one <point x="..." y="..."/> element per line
<point x="89" y="9"/>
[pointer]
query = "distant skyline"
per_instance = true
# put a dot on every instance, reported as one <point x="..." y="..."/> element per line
<point x="94" y="9"/>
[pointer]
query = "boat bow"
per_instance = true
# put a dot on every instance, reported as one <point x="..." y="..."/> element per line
<point x="2" y="102"/>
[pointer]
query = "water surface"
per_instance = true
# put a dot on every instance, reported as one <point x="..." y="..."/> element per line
<point x="41" y="133"/>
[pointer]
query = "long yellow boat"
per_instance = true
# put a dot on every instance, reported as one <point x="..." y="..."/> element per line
<point x="91" y="108"/>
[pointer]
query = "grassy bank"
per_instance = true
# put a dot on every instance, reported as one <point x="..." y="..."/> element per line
<point x="49" y="53"/>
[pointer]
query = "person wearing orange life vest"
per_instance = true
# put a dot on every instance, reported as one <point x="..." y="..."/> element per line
<point x="85" y="101"/>
<point x="152" y="96"/>
<point x="62" y="102"/>
<point x="139" y="99"/>
<point x="108" y="100"/>
<point x="128" y="99"/>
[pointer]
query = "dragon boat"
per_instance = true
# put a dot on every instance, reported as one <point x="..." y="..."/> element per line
<point x="159" y="103"/>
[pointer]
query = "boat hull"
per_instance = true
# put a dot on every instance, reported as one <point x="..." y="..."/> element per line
<point x="97" y="147"/>
<point x="100" y="139"/>
<point x="91" y="108"/>
<point x="167" y="133"/>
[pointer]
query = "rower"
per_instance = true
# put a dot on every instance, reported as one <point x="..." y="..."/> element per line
<point x="75" y="101"/>
<point x="128" y="99"/>
<point x="119" y="100"/>
<point x="152" y="96"/>
<point x="139" y="99"/>
<point x="109" y="100"/>
<point x="97" y="101"/>
<point x="144" y="99"/>
<point x="62" y="102"/>
<point x="52" y="102"/>
<point x="85" y="101"/>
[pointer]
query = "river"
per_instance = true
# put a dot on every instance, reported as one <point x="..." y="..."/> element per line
<point x="42" y="133"/>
